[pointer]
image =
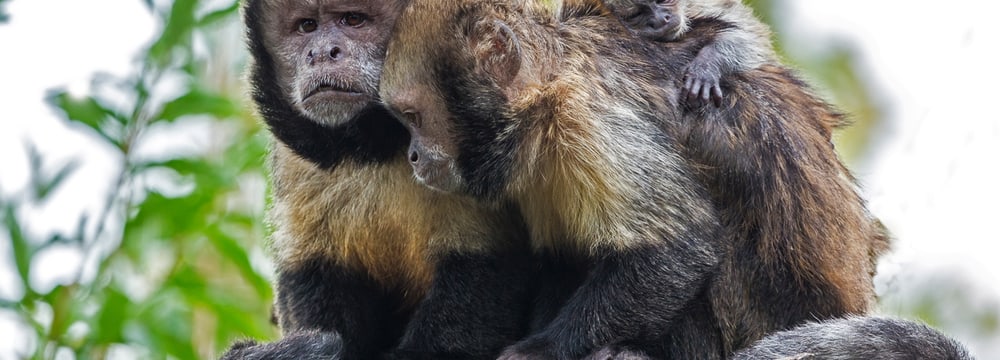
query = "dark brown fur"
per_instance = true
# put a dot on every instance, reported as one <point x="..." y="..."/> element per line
<point x="803" y="244"/>
<point x="799" y="243"/>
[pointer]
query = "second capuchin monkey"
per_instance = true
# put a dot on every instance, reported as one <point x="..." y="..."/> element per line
<point x="678" y="234"/>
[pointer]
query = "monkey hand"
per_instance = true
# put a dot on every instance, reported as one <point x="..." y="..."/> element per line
<point x="616" y="353"/>
<point x="307" y="345"/>
<point x="535" y="348"/>
<point x="701" y="81"/>
<point x="421" y="355"/>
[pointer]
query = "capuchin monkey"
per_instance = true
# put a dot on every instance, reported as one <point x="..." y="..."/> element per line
<point x="369" y="262"/>
<point x="744" y="43"/>
<point x="503" y="108"/>
<point x="674" y="232"/>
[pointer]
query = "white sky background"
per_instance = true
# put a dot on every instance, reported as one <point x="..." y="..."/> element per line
<point x="934" y="179"/>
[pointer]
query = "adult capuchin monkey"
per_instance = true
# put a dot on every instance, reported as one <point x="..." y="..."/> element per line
<point x="368" y="260"/>
<point x="508" y="101"/>
<point x="745" y="44"/>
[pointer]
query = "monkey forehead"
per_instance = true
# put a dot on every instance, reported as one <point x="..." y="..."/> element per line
<point x="280" y="7"/>
<point x="282" y="14"/>
<point x="418" y="44"/>
<point x="423" y="21"/>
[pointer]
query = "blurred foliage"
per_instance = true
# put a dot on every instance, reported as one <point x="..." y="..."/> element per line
<point x="948" y="299"/>
<point x="836" y="71"/>
<point x="169" y="269"/>
<point x="3" y="14"/>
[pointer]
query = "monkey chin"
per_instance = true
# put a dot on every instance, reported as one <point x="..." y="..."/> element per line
<point x="333" y="108"/>
<point x="448" y="182"/>
<point x="666" y="33"/>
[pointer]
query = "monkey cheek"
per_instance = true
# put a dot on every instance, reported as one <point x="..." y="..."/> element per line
<point x="437" y="176"/>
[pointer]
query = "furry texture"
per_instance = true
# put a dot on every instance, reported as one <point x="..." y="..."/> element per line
<point x="857" y="338"/>
<point x="304" y="345"/>
<point x="621" y="190"/>
<point x="744" y="45"/>
<point x="581" y="153"/>
<point x="362" y="250"/>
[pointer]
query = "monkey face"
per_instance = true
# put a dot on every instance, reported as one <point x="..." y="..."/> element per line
<point x="449" y="84"/>
<point x="433" y="146"/>
<point x="328" y="53"/>
<point x="660" y="20"/>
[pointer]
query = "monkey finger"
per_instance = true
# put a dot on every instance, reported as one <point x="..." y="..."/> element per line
<point x="693" y="92"/>
<point x="706" y="94"/>
<point x="717" y="95"/>
<point x="686" y="89"/>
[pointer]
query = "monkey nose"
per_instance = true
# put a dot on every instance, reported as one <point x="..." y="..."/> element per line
<point x="658" y="22"/>
<point x="332" y="54"/>
<point x="414" y="157"/>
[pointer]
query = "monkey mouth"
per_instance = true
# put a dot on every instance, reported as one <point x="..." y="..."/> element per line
<point x="333" y="88"/>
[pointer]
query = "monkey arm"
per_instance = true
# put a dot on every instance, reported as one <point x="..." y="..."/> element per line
<point x="321" y="295"/>
<point x="326" y="312"/>
<point x="478" y="303"/>
<point x="731" y="51"/>
<point x="632" y="294"/>
<point x="743" y="43"/>
<point x="702" y="78"/>
<point x="857" y="338"/>
<point x="305" y="345"/>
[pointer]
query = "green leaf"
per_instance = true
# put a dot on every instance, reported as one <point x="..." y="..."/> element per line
<point x="43" y="184"/>
<point x="197" y="102"/>
<point x="61" y="299"/>
<point x="236" y="315"/>
<point x="44" y="188"/>
<point x="111" y="316"/>
<point x="219" y="15"/>
<point x="180" y="23"/>
<point x="23" y="250"/>
<point x="237" y="254"/>
<point x="89" y="112"/>
<point x="166" y="318"/>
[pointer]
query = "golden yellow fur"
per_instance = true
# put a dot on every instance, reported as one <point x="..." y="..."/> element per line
<point x="372" y="217"/>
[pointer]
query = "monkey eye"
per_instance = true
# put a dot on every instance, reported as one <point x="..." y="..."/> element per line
<point x="412" y="118"/>
<point x="354" y="19"/>
<point x="637" y="15"/>
<point x="307" y="26"/>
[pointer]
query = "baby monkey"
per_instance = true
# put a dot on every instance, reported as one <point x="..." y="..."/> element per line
<point x="745" y="45"/>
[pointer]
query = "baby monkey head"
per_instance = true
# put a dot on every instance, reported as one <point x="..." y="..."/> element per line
<point x="328" y="54"/>
<point x="660" y="20"/>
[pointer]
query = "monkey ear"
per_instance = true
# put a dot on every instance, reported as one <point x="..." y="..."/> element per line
<point x="497" y="51"/>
